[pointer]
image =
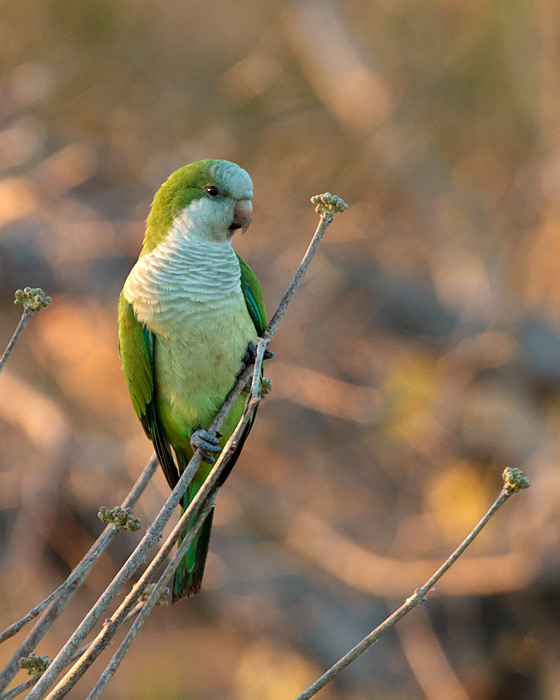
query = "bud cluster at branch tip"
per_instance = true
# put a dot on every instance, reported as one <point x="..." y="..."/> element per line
<point x="32" y="298"/>
<point x="121" y="518"/>
<point x="35" y="665"/>
<point x="328" y="203"/>
<point x="514" y="480"/>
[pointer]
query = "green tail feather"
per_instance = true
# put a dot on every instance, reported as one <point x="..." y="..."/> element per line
<point x="188" y="576"/>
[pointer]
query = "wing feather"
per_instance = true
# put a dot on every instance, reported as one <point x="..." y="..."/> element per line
<point x="137" y="347"/>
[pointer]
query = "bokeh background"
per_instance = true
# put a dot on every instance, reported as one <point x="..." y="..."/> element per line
<point x="421" y="357"/>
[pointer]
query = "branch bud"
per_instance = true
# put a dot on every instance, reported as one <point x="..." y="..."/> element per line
<point x="514" y="480"/>
<point x="35" y="665"/>
<point x="32" y="298"/>
<point x="121" y="518"/>
<point x="328" y="203"/>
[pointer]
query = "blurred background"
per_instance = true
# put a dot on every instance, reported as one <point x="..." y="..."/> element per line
<point x="421" y="357"/>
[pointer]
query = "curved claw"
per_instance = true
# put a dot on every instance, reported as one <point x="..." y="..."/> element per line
<point x="206" y="443"/>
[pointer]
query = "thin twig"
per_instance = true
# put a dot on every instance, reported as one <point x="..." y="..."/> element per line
<point x="327" y="205"/>
<point x="33" y="299"/>
<point x="255" y="382"/>
<point x="68" y="588"/>
<point x="15" y="627"/>
<point x="418" y="597"/>
<point x="97" y="548"/>
<point x="24" y="320"/>
<point x="16" y="690"/>
<point x="324" y="222"/>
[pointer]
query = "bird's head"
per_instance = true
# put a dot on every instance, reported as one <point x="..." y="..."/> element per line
<point x="208" y="200"/>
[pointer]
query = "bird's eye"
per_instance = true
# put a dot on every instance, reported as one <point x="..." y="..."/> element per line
<point x="212" y="190"/>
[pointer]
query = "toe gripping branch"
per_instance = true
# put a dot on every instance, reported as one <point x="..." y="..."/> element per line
<point x="251" y="355"/>
<point x="207" y="443"/>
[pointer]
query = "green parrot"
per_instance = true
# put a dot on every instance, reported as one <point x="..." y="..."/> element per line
<point x="188" y="312"/>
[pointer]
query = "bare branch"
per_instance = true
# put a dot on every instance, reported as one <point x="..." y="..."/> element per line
<point x="60" y="597"/>
<point x="255" y="383"/>
<point x="513" y="481"/>
<point x="16" y="690"/>
<point x="324" y="223"/>
<point x="22" y="687"/>
<point x="33" y="300"/>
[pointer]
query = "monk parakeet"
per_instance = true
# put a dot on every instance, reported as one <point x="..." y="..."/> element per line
<point x="187" y="313"/>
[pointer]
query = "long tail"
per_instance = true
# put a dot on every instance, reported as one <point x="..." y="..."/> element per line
<point x="188" y="576"/>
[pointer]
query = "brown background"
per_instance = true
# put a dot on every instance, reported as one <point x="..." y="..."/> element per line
<point x="421" y="357"/>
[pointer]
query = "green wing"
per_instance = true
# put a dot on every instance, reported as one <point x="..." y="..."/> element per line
<point x="136" y="361"/>
<point x="253" y="296"/>
<point x="137" y="347"/>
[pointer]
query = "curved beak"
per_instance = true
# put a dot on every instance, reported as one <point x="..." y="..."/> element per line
<point x="242" y="215"/>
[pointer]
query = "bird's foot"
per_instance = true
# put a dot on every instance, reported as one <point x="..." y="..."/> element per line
<point x="251" y="354"/>
<point x="207" y="444"/>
